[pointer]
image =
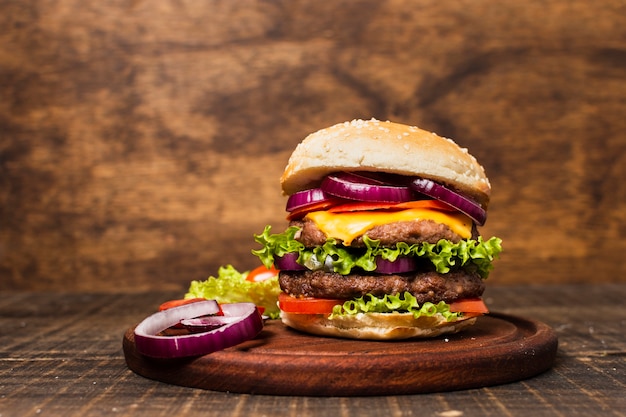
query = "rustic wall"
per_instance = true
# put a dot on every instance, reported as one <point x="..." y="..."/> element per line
<point x="141" y="142"/>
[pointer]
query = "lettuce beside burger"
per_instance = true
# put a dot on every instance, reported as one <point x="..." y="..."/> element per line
<point x="232" y="286"/>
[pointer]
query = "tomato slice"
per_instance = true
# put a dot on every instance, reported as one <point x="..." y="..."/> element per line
<point x="365" y="206"/>
<point x="338" y="206"/>
<point x="306" y="305"/>
<point x="469" y="305"/>
<point x="320" y="205"/>
<point x="175" y="303"/>
<point x="361" y="206"/>
<point x="261" y="273"/>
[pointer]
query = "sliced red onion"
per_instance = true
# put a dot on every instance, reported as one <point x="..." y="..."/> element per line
<point x="246" y="324"/>
<point x="381" y="178"/>
<point x="305" y="198"/>
<point x="454" y="199"/>
<point x="371" y="178"/>
<point x="288" y="262"/>
<point x="358" y="187"/>
<point x="205" y="324"/>
<point x="400" y="265"/>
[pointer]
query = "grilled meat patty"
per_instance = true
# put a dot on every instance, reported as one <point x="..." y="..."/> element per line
<point x="425" y="286"/>
<point x="388" y="234"/>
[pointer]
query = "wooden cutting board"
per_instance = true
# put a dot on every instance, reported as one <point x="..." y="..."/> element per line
<point x="280" y="361"/>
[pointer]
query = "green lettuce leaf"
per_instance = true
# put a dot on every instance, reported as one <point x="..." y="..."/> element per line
<point x="276" y="245"/>
<point x="401" y="303"/>
<point x="472" y="255"/>
<point x="230" y="286"/>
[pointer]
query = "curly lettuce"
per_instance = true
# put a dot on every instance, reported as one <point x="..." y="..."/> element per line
<point x="231" y="286"/>
<point x="472" y="255"/>
<point x="400" y="303"/>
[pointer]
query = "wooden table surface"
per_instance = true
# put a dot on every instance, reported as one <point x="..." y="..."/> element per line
<point x="61" y="354"/>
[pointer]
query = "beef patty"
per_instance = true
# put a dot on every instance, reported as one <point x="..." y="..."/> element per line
<point x="425" y="286"/>
<point x="389" y="234"/>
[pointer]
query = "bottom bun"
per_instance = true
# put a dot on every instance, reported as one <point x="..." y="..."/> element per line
<point x="374" y="326"/>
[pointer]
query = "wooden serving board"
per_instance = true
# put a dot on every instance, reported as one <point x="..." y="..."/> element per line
<point x="280" y="361"/>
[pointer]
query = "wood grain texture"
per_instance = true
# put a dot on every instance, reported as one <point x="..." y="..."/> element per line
<point x="141" y="142"/>
<point x="61" y="355"/>
<point x="498" y="349"/>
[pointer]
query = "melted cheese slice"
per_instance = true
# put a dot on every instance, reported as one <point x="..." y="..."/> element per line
<point x="350" y="225"/>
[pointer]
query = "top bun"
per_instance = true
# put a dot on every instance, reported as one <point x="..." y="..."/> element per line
<point x="372" y="145"/>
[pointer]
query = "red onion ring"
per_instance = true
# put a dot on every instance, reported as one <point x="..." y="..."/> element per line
<point x="287" y="262"/>
<point x="358" y="187"/>
<point x="456" y="200"/>
<point x="380" y="178"/>
<point x="305" y="198"/>
<point x="246" y="324"/>
<point x="205" y="324"/>
<point x="400" y="265"/>
<point x="364" y="178"/>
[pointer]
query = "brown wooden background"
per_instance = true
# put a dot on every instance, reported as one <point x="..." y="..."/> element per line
<point x="141" y="141"/>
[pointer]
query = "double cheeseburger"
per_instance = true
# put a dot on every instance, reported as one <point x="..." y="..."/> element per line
<point x="382" y="241"/>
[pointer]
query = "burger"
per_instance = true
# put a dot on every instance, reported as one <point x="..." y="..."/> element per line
<point x="382" y="241"/>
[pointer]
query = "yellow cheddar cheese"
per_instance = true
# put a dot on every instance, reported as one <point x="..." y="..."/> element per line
<point x="348" y="226"/>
